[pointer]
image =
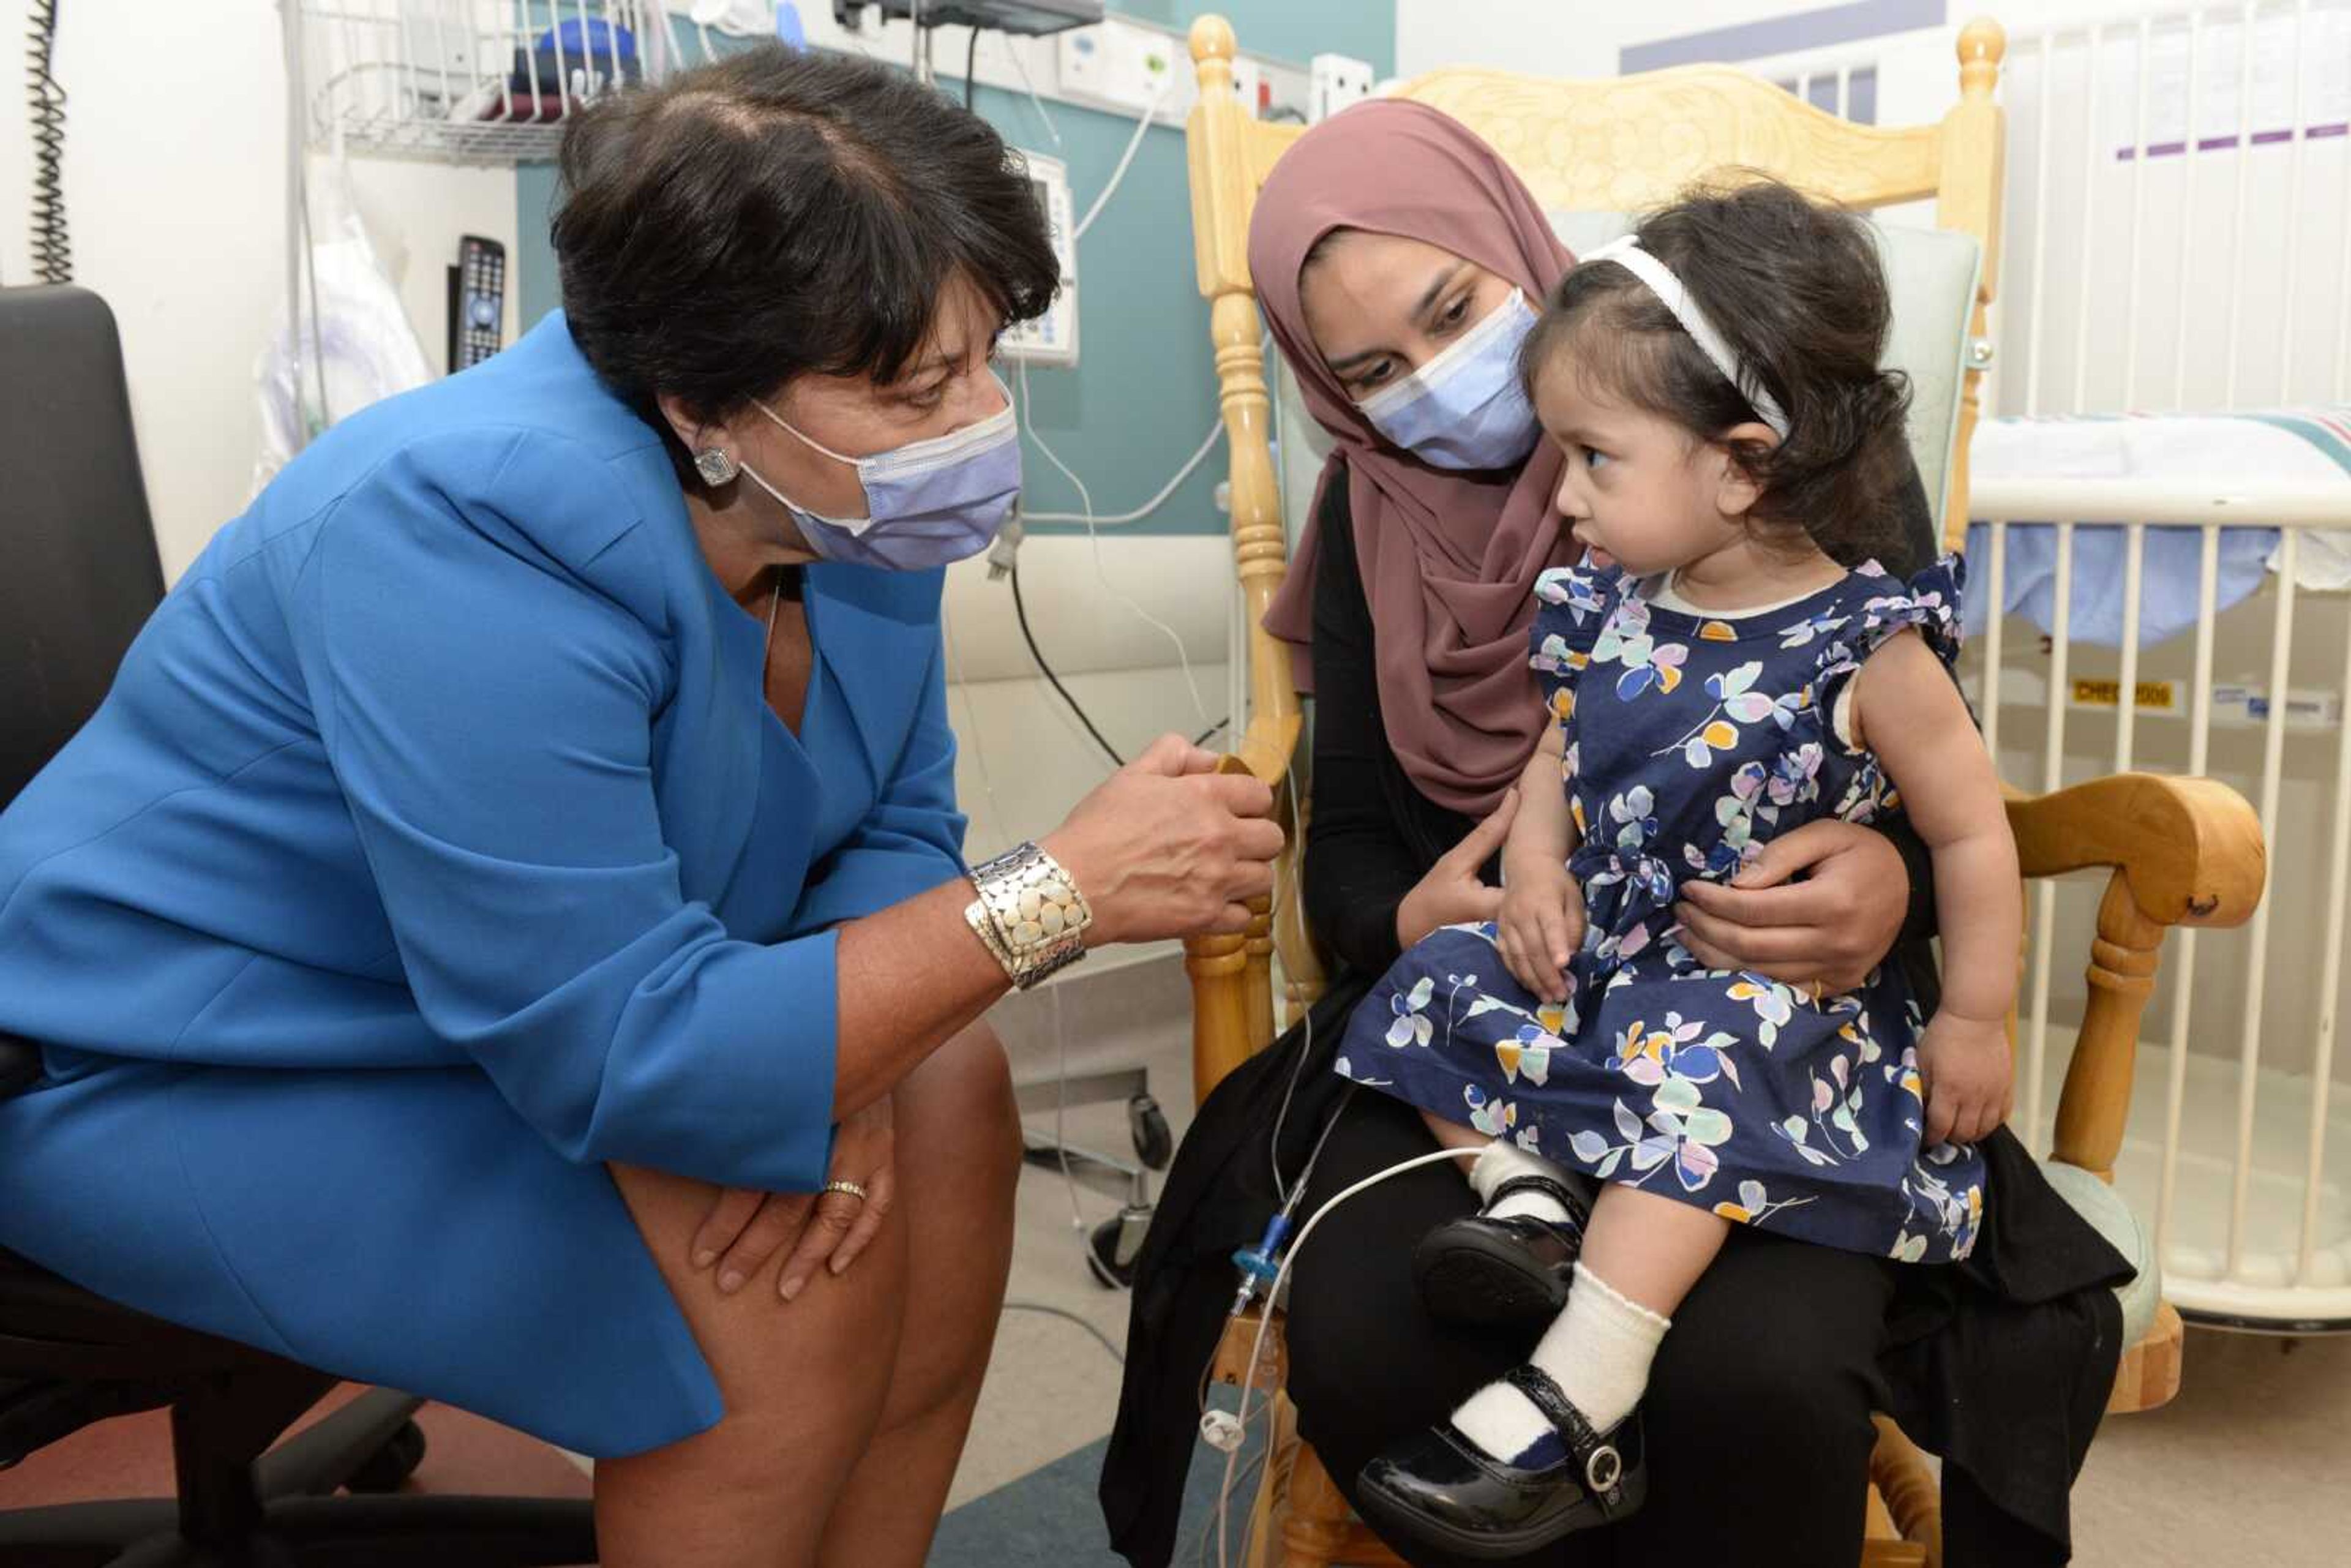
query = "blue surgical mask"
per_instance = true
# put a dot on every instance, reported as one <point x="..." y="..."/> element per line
<point x="1465" y="409"/>
<point x="927" y="503"/>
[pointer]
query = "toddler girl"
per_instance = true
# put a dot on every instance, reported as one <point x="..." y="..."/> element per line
<point x="1728" y="662"/>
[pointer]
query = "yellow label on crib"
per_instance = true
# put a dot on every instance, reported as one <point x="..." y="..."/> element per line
<point x="2153" y="696"/>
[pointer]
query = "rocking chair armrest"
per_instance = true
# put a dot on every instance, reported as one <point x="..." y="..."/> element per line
<point x="2189" y="849"/>
<point x="2183" y="852"/>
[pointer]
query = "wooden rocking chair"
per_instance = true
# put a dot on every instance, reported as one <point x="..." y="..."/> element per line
<point x="2177" y="851"/>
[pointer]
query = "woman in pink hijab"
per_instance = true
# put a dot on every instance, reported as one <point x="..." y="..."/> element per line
<point x="1399" y="262"/>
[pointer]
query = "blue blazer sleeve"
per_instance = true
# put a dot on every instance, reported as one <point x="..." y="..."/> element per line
<point x="489" y="716"/>
<point x="911" y="841"/>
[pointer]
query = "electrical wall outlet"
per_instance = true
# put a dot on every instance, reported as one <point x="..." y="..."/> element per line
<point x="1250" y="87"/>
<point x="1336" y="82"/>
<point x="1119" y="65"/>
<point x="1085" y="64"/>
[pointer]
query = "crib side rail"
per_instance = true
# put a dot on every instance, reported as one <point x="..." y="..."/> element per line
<point x="2245" y="695"/>
<point x="2237" y="501"/>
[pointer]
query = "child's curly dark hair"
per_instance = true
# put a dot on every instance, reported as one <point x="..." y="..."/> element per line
<point x="1795" y="286"/>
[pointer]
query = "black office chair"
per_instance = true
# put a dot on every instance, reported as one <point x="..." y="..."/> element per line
<point x="79" y="576"/>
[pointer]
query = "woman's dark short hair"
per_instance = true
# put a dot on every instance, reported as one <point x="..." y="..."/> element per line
<point x="1795" y="287"/>
<point x="778" y="213"/>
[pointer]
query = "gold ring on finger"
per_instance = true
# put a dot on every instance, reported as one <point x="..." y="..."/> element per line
<point x="849" y="1187"/>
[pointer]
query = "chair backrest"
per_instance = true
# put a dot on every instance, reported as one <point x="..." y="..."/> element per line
<point x="79" y="570"/>
<point x="1589" y="150"/>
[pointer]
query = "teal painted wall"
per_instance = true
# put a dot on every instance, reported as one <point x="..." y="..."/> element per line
<point x="1144" y="393"/>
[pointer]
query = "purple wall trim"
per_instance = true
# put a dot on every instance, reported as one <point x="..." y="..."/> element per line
<point x="1779" y="35"/>
<point x="2214" y="143"/>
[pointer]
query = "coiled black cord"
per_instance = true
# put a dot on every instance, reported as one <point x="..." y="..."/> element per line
<point x="52" y="249"/>
<point x="1020" y="613"/>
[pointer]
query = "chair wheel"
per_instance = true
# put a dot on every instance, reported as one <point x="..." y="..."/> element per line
<point x="1101" y="1257"/>
<point x="1154" y="1143"/>
<point x="1112" y="1247"/>
<point x="393" y="1464"/>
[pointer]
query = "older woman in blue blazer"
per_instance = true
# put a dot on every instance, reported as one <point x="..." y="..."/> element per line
<point x="506" y="934"/>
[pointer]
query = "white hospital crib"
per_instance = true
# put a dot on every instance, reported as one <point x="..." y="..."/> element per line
<point x="2162" y="507"/>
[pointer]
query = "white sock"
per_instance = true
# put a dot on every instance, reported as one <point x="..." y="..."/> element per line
<point x="1598" y="1351"/>
<point x="1503" y="1161"/>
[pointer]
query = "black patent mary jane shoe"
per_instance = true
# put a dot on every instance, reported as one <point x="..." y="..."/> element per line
<point x="1440" y="1490"/>
<point x="1484" y="1270"/>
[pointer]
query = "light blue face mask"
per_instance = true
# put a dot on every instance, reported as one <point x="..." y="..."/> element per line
<point x="1465" y="408"/>
<point x="927" y="503"/>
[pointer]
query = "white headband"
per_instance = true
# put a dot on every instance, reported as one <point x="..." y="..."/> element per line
<point x="1628" y="254"/>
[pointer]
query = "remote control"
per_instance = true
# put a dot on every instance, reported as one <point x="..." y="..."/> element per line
<point x="477" y="305"/>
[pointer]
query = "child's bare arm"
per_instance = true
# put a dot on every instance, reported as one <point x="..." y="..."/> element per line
<point x="1541" y="920"/>
<point x="1908" y="711"/>
<point x="1542" y="833"/>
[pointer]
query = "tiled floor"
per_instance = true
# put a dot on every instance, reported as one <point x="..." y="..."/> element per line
<point x="2248" y="1466"/>
<point x="2252" y="1464"/>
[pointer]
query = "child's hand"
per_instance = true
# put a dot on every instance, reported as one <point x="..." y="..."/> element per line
<point x="1968" y="1074"/>
<point x="1540" y="927"/>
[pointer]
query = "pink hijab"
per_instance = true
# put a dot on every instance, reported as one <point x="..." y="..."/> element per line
<point x="1450" y="559"/>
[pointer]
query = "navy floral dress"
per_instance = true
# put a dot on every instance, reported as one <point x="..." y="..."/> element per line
<point x="1691" y="742"/>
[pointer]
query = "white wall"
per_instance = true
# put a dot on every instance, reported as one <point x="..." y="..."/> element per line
<point x="1023" y="760"/>
<point x="1555" y="37"/>
<point x="175" y="182"/>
